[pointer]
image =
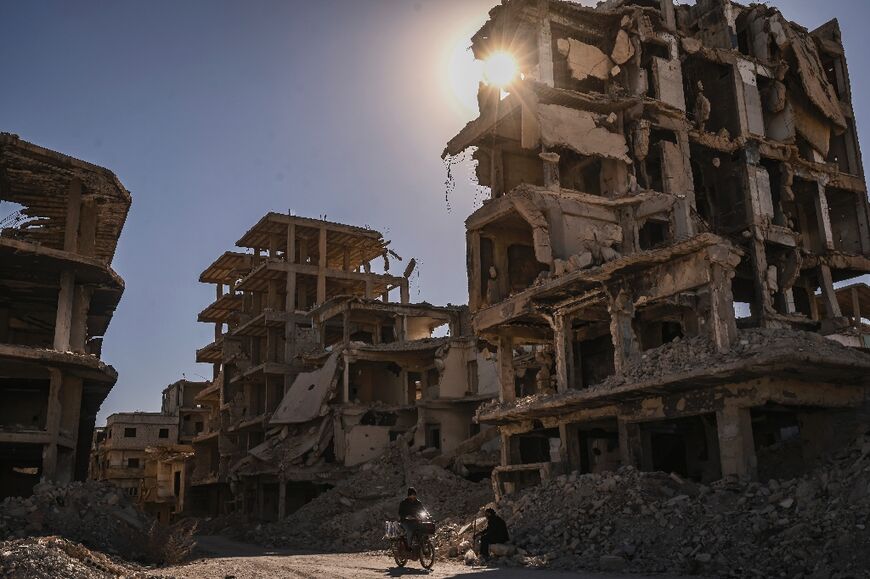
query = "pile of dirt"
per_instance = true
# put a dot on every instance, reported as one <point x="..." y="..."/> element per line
<point x="96" y="514"/>
<point x="812" y="526"/>
<point x="351" y="515"/>
<point x="53" y="557"/>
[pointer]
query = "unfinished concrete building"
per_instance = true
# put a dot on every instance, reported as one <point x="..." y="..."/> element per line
<point x="60" y="219"/>
<point x="652" y="168"/>
<point x="317" y="371"/>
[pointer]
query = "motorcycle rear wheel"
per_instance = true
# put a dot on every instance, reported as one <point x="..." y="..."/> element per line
<point x="427" y="554"/>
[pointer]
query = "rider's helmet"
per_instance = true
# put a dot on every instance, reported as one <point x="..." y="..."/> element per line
<point x="412" y="492"/>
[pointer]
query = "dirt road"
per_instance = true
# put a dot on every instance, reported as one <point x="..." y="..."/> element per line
<point x="223" y="558"/>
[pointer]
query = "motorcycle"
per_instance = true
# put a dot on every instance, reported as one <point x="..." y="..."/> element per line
<point x="421" y="549"/>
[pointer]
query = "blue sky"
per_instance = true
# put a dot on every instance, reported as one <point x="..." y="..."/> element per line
<point x="213" y="113"/>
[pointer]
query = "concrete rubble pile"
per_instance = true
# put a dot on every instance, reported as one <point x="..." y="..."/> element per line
<point x="96" y="514"/>
<point x="351" y="515"/>
<point x="53" y="557"/>
<point x="811" y="526"/>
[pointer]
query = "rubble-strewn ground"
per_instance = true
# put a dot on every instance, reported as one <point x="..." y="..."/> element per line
<point x="350" y="516"/>
<point x="55" y="558"/>
<point x="815" y="526"/>
<point x="226" y="558"/>
<point x="97" y="515"/>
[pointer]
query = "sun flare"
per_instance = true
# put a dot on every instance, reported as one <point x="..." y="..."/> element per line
<point x="500" y="69"/>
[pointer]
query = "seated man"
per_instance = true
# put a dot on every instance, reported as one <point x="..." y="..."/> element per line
<point x="411" y="511"/>
<point x="495" y="532"/>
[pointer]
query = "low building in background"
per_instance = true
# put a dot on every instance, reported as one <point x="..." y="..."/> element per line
<point x="119" y="456"/>
<point x="165" y="480"/>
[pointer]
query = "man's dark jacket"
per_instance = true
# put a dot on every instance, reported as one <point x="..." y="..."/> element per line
<point x="410" y="508"/>
<point x="496" y="530"/>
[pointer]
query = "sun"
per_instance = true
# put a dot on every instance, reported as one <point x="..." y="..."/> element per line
<point x="500" y="69"/>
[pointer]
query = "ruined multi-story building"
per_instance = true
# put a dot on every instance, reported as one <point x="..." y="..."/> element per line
<point x="60" y="219"/>
<point x="654" y="168"/>
<point x="180" y="400"/>
<point x="317" y="371"/>
<point x="119" y="454"/>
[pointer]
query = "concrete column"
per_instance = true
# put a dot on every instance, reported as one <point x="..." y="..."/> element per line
<point x="63" y="320"/>
<point x="722" y="323"/>
<point x="496" y="170"/>
<point x="545" y="44"/>
<point x="88" y="227"/>
<point x="856" y="307"/>
<point x="52" y="425"/>
<point x="625" y="344"/>
<point x="73" y="216"/>
<point x="736" y="445"/>
<point x="345" y="326"/>
<point x="562" y="348"/>
<point x="79" y="318"/>
<point x="346" y="380"/>
<point x="506" y="369"/>
<point x="290" y="322"/>
<point x="630" y="447"/>
<point x="472" y="242"/>
<point x="763" y="298"/>
<point x="282" y="497"/>
<point x="508" y="456"/>
<point x="551" y="170"/>
<point x="405" y="293"/>
<point x="823" y="218"/>
<point x="321" y="271"/>
<point x="290" y="256"/>
<point x="832" y="306"/>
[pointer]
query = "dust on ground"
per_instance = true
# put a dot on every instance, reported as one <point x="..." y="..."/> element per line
<point x="223" y="557"/>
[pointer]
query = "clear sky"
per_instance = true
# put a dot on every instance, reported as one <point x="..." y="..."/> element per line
<point x="213" y="113"/>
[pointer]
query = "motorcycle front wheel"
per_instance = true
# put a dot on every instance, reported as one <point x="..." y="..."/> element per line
<point x="397" y="555"/>
<point x="427" y="554"/>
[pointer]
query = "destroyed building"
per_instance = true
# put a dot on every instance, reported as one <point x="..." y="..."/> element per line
<point x="148" y="454"/>
<point x="118" y="453"/>
<point x="316" y="370"/>
<point x="675" y="190"/>
<point x="60" y="219"/>
<point x="180" y="400"/>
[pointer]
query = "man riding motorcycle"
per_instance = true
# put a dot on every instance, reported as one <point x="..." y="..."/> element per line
<point x="411" y="510"/>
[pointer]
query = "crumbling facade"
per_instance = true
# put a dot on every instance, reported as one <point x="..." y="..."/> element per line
<point x="149" y="454"/>
<point x="119" y="452"/>
<point x="653" y="169"/>
<point x="180" y="400"/>
<point x="61" y="219"/>
<point x="316" y="370"/>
